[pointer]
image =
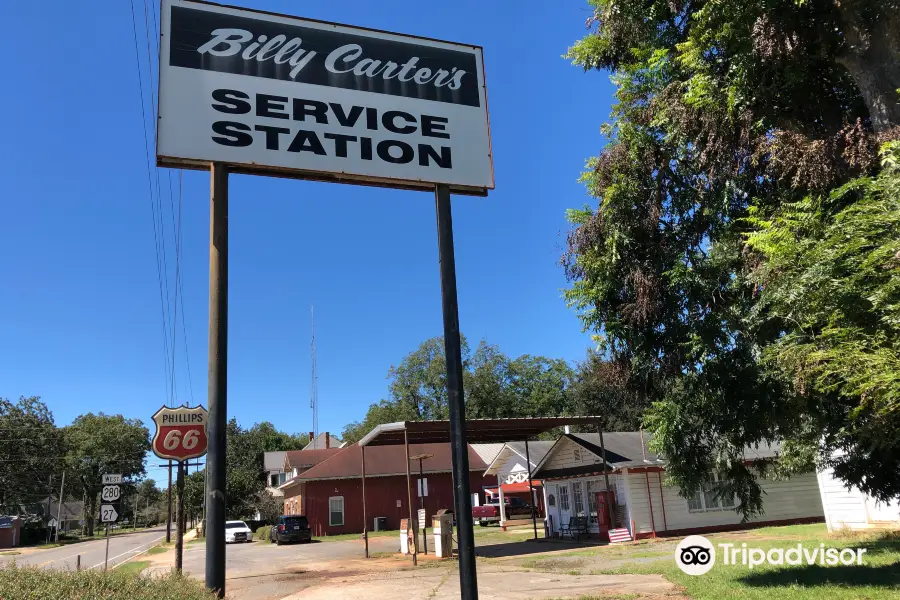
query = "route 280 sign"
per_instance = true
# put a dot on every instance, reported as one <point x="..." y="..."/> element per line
<point x="180" y="432"/>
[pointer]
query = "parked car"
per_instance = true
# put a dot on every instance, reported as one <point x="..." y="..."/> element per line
<point x="237" y="531"/>
<point x="291" y="528"/>
<point x="490" y="512"/>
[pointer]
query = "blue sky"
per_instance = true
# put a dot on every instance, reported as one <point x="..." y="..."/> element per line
<point x="80" y="308"/>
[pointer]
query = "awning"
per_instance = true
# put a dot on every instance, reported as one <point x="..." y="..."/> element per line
<point x="477" y="430"/>
<point x="520" y="487"/>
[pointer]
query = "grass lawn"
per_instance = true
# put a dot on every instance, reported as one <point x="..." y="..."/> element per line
<point x="10" y="553"/>
<point x="134" y="566"/>
<point x="158" y="549"/>
<point x="876" y="579"/>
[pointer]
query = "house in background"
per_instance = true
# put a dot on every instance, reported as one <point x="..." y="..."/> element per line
<point x="574" y="486"/>
<point x="273" y="465"/>
<point x="10" y="531"/>
<point x="323" y="441"/>
<point x="297" y="462"/>
<point x="851" y="508"/>
<point x="71" y="515"/>
<point x="277" y="474"/>
<point x="510" y="467"/>
<point x="330" y="493"/>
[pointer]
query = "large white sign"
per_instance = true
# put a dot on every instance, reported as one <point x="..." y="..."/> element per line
<point x="287" y="96"/>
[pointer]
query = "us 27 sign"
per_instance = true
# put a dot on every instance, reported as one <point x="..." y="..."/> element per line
<point x="180" y="432"/>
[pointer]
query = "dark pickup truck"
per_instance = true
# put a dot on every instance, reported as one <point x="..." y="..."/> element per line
<point x="490" y="512"/>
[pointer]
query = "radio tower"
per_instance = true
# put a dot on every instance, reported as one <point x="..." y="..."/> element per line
<point x="314" y="385"/>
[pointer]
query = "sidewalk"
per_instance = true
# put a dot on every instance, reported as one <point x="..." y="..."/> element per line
<point x="493" y="584"/>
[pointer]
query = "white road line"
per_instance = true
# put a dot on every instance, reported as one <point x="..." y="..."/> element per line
<point x="137" y="549"/>
<point x="83" y="549"/>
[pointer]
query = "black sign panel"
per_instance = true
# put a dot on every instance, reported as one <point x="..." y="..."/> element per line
<point x="226" y="43"/>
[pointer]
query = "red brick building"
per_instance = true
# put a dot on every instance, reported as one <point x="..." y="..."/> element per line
<point x="297" y="462"/>
<point x="330" y="493"/>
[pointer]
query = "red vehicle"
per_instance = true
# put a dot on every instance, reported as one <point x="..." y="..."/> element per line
<point x="490" y="512"/>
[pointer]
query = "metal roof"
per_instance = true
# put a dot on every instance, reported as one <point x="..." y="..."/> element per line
<point x="477" y="430"/>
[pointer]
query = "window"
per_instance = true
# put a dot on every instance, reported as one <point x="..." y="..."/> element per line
<point x="705" y="499"/>
<point x="336" y="510"/>
<point x="578" y="498"/>
<point x="564" y="497"/>
<point x="282" y="477"/>
<point x="592" y="500"/>
<point x="273" y="480"/>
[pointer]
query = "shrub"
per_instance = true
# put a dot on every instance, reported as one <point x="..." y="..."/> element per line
<point x="263" y="533"/>
<point x="30" y="583"/>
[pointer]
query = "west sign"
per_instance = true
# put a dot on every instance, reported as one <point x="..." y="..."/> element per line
<point x="180" y="432"/>
<point x="279" y="95"/>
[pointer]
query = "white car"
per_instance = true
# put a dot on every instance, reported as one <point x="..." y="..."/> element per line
<point x="237" y="531"/>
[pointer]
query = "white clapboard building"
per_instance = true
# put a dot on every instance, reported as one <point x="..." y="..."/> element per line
<point x="574" y="486"/>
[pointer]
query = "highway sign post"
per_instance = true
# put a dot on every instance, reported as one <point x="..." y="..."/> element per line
<point x="108" y="513"/>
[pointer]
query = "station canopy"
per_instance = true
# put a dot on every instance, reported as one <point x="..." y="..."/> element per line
<point x="477" y="430"/>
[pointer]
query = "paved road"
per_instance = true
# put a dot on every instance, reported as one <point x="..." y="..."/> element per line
<point x="121" y="548"/>
<point x="259" y="571"/>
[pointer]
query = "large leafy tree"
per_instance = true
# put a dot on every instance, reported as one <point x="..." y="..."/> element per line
<point x="30" y="450"/>
<point x="97" y="444"/>
<point x="246" y="478"/>
<point x="726" y="113"/>
<point x="495" y="386"/>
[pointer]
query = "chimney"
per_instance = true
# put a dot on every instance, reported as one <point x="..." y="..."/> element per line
<point x="312" y="438"/>
<point x="327" y="440"/>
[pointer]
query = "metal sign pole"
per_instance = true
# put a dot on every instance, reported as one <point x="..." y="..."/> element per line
<point x="179" y="517"/>
<point x="468" y="583"/>
<point x="217" y="378"/>
<point x="106" y="558"/>
<point x="169" y="507"/>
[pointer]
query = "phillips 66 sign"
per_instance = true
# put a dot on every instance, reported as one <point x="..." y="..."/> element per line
<point x="180" y="432"/>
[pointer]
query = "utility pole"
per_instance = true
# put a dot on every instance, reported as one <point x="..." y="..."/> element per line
<point x="137" y="498"/>
<point x="49" y="492"/>
<point x="59" y="505"/>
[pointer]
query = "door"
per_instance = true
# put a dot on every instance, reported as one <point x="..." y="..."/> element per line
<point x="602" y="514"/>
<point x="553" y="508"/>
<point x="564" y="500"/>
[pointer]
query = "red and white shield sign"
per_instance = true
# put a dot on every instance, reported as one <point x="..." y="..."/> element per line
<point x="180" y="432"/>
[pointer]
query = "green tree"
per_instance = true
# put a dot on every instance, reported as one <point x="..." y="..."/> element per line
<point x="725" y="110"/>
<point x="832" y="269"/>
<point x="98" y="444"/>
<point x="495" y="386"/>
<point x="30" y="447"/>
<point x="244" y="460"/>
<point x="603" y="387"/>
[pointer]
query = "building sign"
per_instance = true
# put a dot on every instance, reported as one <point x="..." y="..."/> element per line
<point x="287" y="96"/>
<point x="180" y="432"/>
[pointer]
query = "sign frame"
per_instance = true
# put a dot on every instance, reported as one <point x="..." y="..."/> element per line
<point x="198" y="425"/>
<point x="311" y="174"/>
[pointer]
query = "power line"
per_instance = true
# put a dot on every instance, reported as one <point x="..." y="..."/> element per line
<point x="156" y="243"/>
